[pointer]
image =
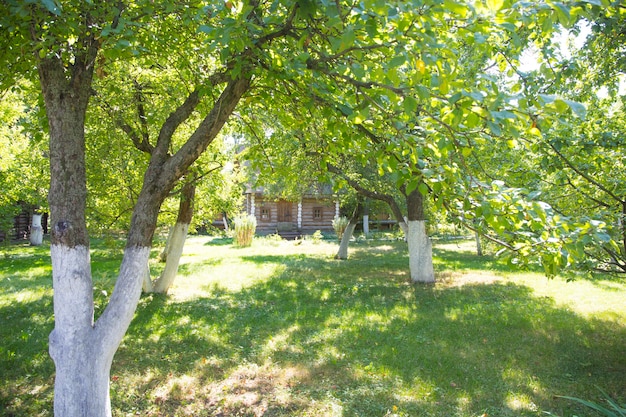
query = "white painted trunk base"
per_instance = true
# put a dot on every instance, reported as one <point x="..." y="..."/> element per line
<point x="404" y="228"/>
<point x="82" y="350"/>
<point x="342" y="253"/>
<point x="175" y="245"/>
<point x="36" y="231"/>
<point x="420" y="252"/>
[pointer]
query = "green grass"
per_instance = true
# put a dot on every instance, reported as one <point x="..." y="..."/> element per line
<point x="283" y="329"/>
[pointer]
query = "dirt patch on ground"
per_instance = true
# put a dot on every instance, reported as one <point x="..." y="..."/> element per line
<point x="255" y="391"/>
<point x="449" y="279"/>
<point x="249" y="391"/>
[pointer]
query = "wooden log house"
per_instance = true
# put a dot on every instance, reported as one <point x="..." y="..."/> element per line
<point x="292" y="219"/>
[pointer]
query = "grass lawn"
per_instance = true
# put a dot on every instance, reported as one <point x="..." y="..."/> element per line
<point x="283" y="329"/>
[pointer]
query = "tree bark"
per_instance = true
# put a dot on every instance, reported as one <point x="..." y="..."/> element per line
<point x="77" y="355"/>
<point x="420" y="246"/>
<point x="176" y="240"/>
<point x="83" y="351"/>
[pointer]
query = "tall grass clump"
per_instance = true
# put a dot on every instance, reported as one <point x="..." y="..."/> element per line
<point x="245" y="227"/>
<point x="340" y="224"/>
<point x="615" y="410"/>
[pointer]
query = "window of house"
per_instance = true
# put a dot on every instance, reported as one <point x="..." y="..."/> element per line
<point x="265" y="213"/>
<point x="317" y="213"/>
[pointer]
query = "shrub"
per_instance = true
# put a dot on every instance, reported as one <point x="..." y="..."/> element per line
<point x="273" y="240"/>
<point x="340" y="224"/>
<point x="245" y="227"/>
<point x="317" y="236"/>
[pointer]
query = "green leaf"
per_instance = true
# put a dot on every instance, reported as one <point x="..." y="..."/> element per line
<point x="579" y="109"/>
<point x="594" y="2"/>
<point x="347" y="39"/>
<point x="456" y="7"/>
<point x="397" y="61"/>
<point x="52" y="6"/>
<point x="495" y="128"/>
<point x="423" y="92"/>
<point x="423" y="189"/>
<point x="410" y="105"/>
<point x="547" y="98"/>
<point x="495" y="5"/>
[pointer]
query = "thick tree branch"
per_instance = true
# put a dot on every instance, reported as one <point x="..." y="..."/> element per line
<point x="175" y="119"/>
<point x="207" y="130"/>
<point x="387" y="198"/>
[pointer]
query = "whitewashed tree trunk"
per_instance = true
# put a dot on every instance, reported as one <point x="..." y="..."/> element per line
<point x="420" y="253"/>
<point x="36" y="231"/>
<point x="479" y="247"/>
<point x="166" y="250"/>
<point x="342" y="253"/>
<point x="175" y="245"/>
<point x="175" y="241"/>
<point x="404" y="228"/>
<point x="81" y="350"/>
<point x="146" y="285"/>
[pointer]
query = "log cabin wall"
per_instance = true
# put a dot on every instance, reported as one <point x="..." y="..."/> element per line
<point x="273" y="216"/>
<point x="317" y="214"/>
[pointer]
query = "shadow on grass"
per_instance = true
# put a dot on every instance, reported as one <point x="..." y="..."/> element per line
<point x="220" y="241"/>
<point x="373" y="345"/>
<point x="360" y="341"/>
<point x="25" y="367"/>
<point x="187" y="269"/>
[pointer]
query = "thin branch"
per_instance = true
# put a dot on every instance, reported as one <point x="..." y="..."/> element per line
<point x="582" y="174"/>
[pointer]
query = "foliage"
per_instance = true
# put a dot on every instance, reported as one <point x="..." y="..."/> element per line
<point x="293" y="332"/>
<point x="23" y="163"/>
<point x="339" y="225"/>
<point x="429" y="114"/>
<point x="245" y="227"/>
<point x="572" y="162"/>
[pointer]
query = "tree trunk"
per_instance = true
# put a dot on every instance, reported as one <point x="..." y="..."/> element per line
<point x="420" y="253"/>
<point x="342" y="253"/>
<point x="404" y="227"/>
<point x="176" y="240"/>
<point x="36" y="231"/>
<point x="81" y="379"/>
<point x="479" y="247"/>
<point x="420" y="247"/>
<point x="83" y="351"/>
<point x="366" y="218"/>
<point x="166" y="249"/>
<point x="225" y="220"/>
